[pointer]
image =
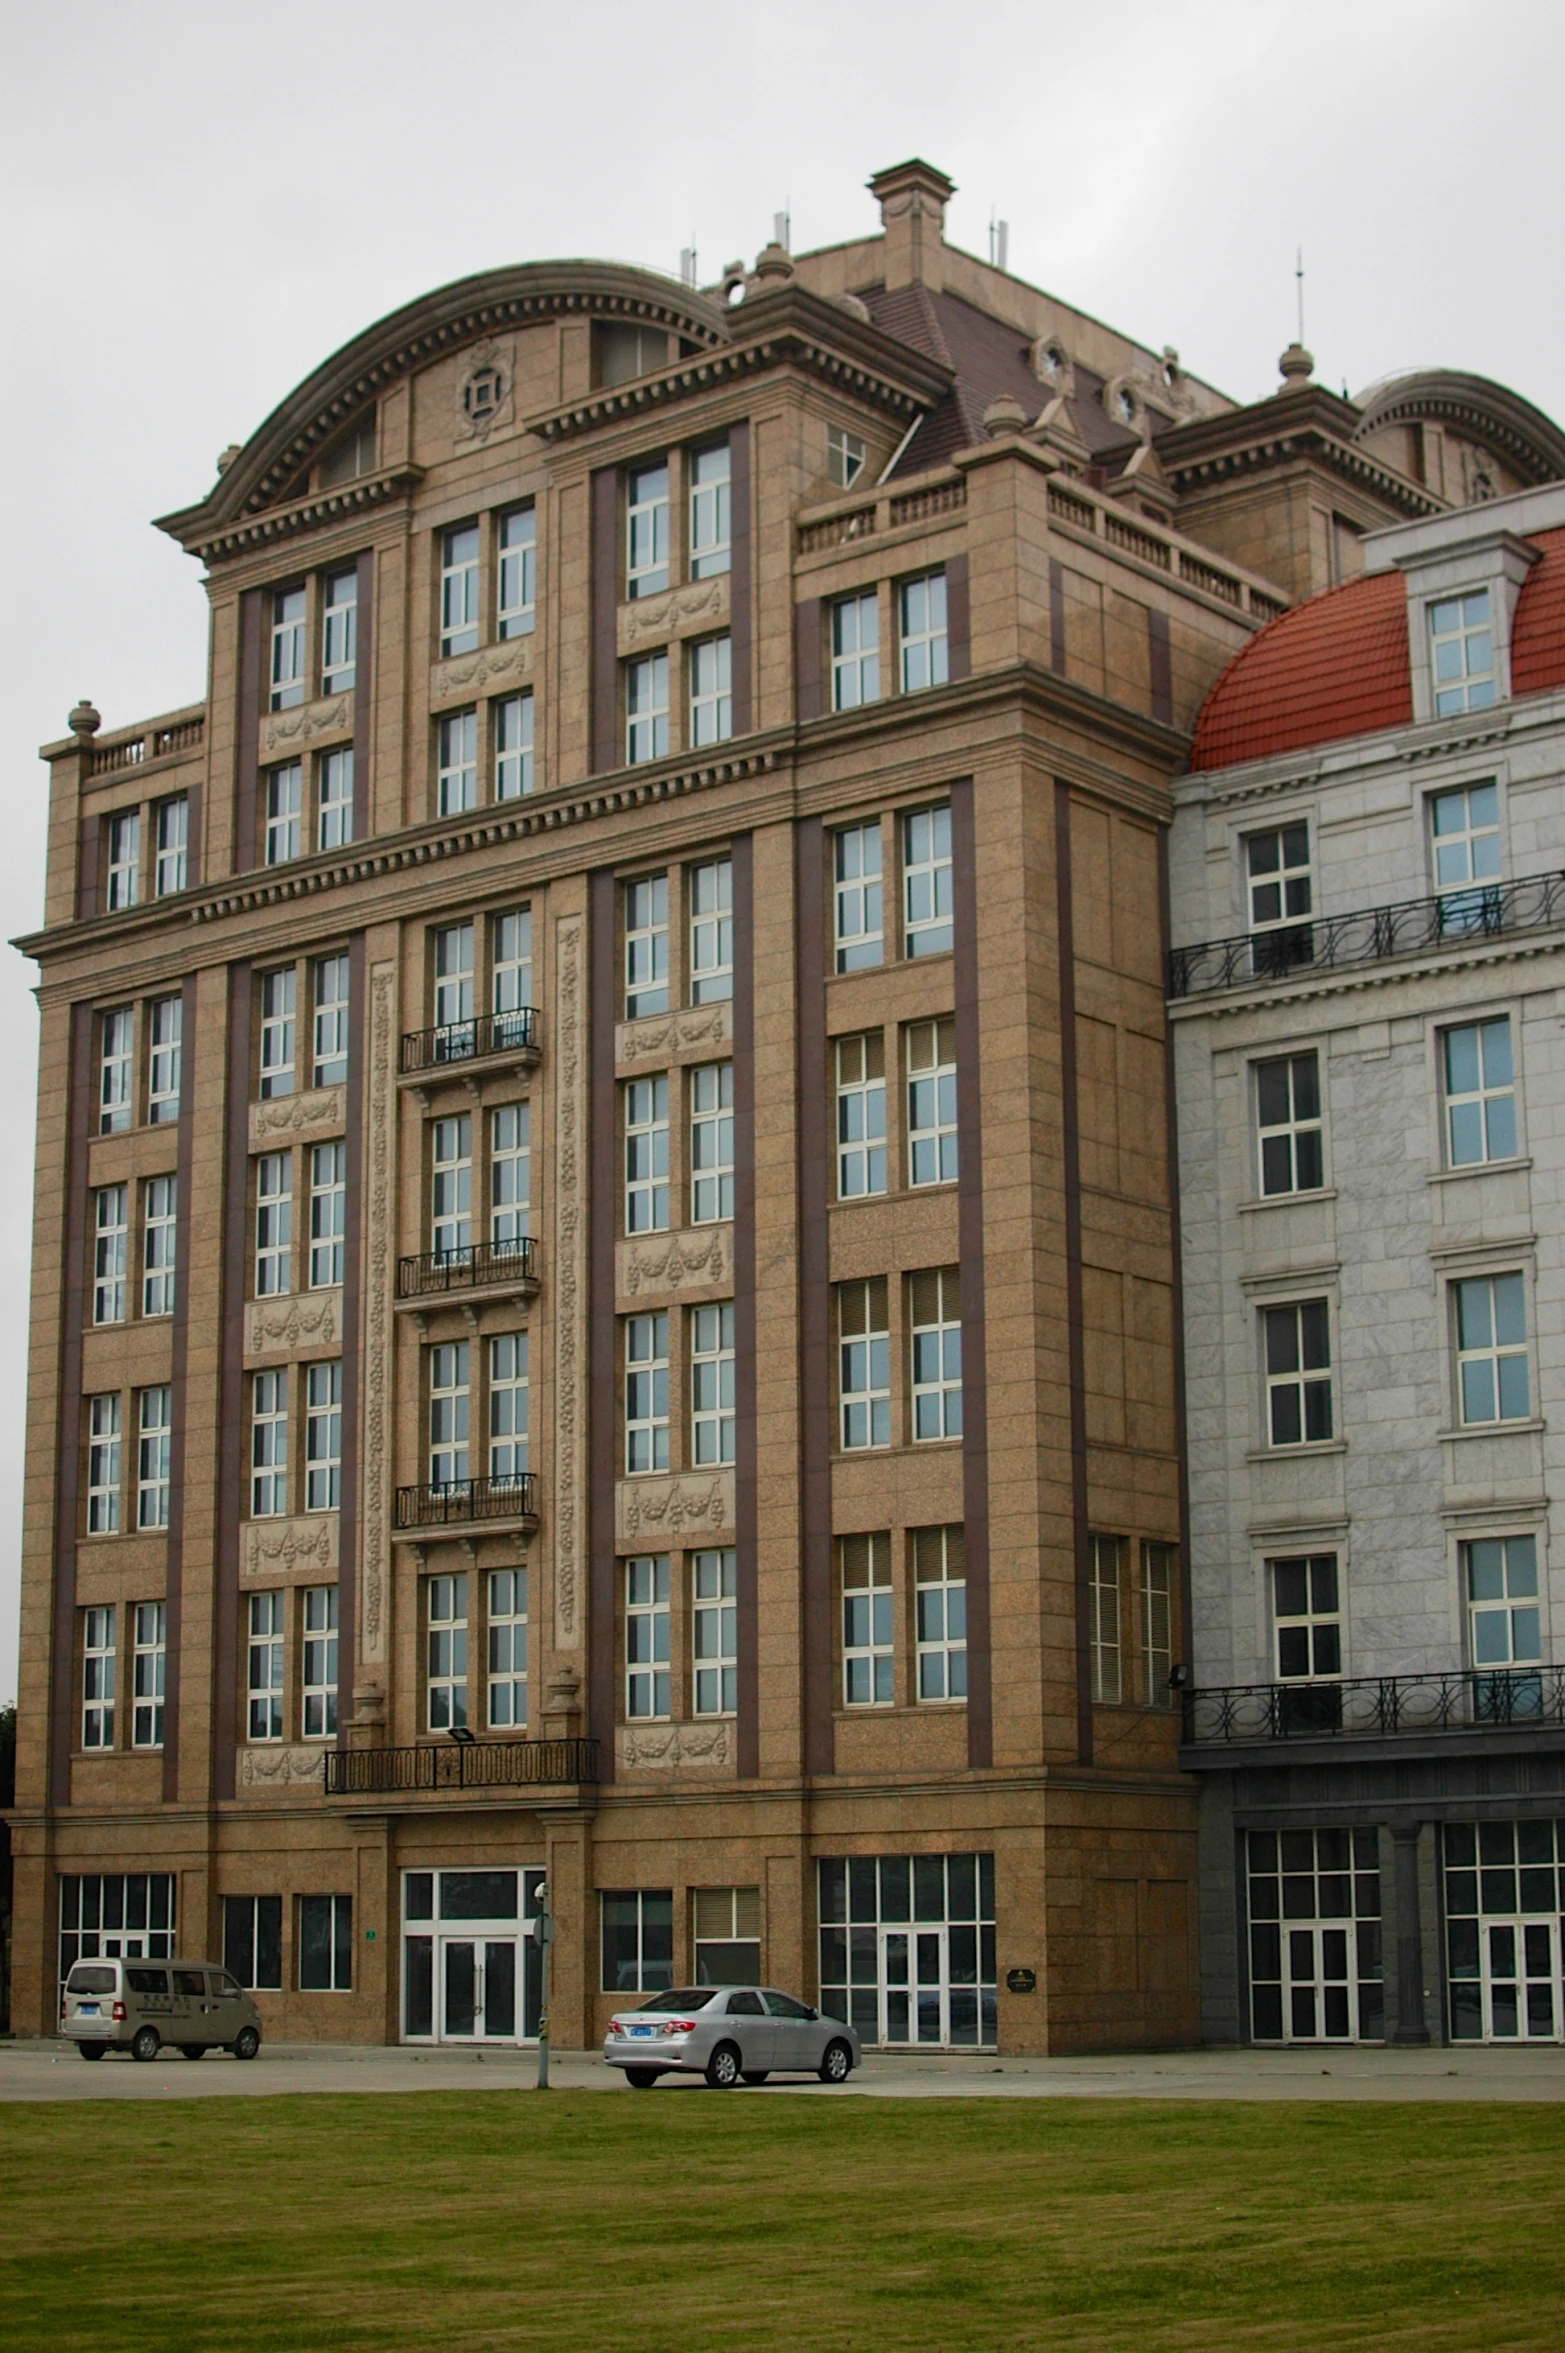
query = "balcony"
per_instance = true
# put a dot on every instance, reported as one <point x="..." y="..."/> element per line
<point x="479" y="1270"/>
<point x="466" y="1764"/>
<point x="488" y="1040"/>
<point x="498" y="1505"/>
<point x="1410" y="927"/>
<point x="1375" y="1707"/>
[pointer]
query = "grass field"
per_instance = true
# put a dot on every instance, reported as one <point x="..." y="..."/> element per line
<point x="582" y="2221"/>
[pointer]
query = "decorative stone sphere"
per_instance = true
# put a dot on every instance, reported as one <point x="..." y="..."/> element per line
<point x="1004" y="415"/>
<point x="1297" y="365"/>
<point x="84" y="720"/>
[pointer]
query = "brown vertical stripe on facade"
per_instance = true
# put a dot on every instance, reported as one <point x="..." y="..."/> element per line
<point x="179" y="1357"/>
<point x="352" y="1278"/>
<point x="231" y="1420"/>
<point x="1070" y="1141"/>
<point x="807" y="657"/>
<point x="814" y="1295"/>
<point x="363" y="713"/>
<point x="602" y="1358"/>
<point x="746" y="1514"/>
<point x="193" y="873"/>
<point x="970" y="1245"/>
<point x="67" y="1478"/>
<point x="739" y="629"/>
<point x="1056" y="616"/>
<point x="87" y="863"/>
<point x="959" y="632"/>
<point x="246" y="852"/>
<point x="1181" y="1632"/>
<point x="605" y="606"/>
<point x="1161" y="666"/>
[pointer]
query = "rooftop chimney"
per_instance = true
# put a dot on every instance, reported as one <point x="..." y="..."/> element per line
<point x="913" y="198"/>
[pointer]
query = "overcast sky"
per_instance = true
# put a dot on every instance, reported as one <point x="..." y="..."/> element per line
<point x="203" y="200"/>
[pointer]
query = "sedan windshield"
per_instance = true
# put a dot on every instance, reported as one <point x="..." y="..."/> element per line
<point x="689" y="1997"/>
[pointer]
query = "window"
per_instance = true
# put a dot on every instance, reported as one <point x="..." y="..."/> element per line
<point x="646" y="1392"/>
<point x="329" y="1060"/>
<point x="619" y="353"/>
<point x="845" y="455"/>
<point x="287" y="649"/>
<point x="510" y="1171"/>
<point x="1158" y="1563"/>
<point x="1461" y="648"/>
<point x="1298" y="1373"/>
<point x="1480" y="1097"/>
<point x="451" y="1186"/>
<point x="110" y="1245"/>
<point x="339" y="633"/>
<point x="710" y="521"/>
<point x="124" y="860"/>
<point x="253" y="1941"/>
<point x="711" y="931"/>
<point x="646" y="1636"/>
<point x="149" y="1663"/>
<point x="165" y="1040"/>
<point x="1279" y="871"/>
<point x="449" y="1402"/>
<point x="646" y="530"/>
<point x="334" y="800"/>
<point x="273" y="1224"/>
<point x="711" y="1142"/>
<point x="646" y="708"/>
<point x="264" y="1668"/>
<point x="513" y="747"/>
<point x="269" y="1444"/>
<point x="1504" y="1626"/>
<point x="712" y="1383"/>
<point x="1315" y="1950"/>
<point x="98" y="1678"/>
<point x="1103" y="1618"/>
<point x="936" y="1323"/>
<point x="328" y="1213"/>
<point x="1287" y="1112"/>
<point x="926" y="881"/>
<point x="103" y="1465"/>
<point x="325" y="1943"/>
<point x="864" y="1363"/>
<point x="901" y="1985"/>
<point x="727" y="1935"/>
<point x="318" y="1683"/>
<point x="856" y="862"/>
<point x="511" y="977"/>
<point x="940" y="1612"/>
<point x="508" y="1405"/>
<point x="507" y="1650"/>
<point x="714" y="1626"/>
<point x="516" y="589"/>
<point x="1491" y="1349"/>
<point x="454" y="1003"/>
<point x="279" y="997"/>
<point x="646" y="1155"/>
<point x="1465" y="843"/>
<point x="116" y="1051"/>
<point x="638" y="1941"/>
<point x="115" y="1912"/>
<point x="921" y="613"/>
<point x="646" y="946"/>
<point x="711" y="691"/>
<point x="284" y="807"/>
<point x="1308" y="1617"/>
<point x="323" y="1436"/>
<point x="155" y="1440"/>
<point x="931" y="1102"/>
<point x="459" y="590"/>
<point x="172" y="845"/>
<point x="855" y="651"/>
<point x="868" y="1665"/>
<point x="861" y="1116"/>
<point x="458" y="768"/>
<point x="446" y="1622"/>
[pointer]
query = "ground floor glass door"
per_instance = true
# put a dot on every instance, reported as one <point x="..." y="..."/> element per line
<point x="1505" y="1931"/>
<point x="907" y="1948"/>
<point x="470" y="1971"/>
<point x="915" y="1986"/>
<point x="478" y="1989"/>
<point x="1315" y="1950"/>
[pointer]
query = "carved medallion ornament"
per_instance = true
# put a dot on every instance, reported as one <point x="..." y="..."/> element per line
<point x="700" y="604"/>
<point x="319" y="1111"/>
<point x="694" y="1030"/>
<point x="484" y="388"/>
<point x="378" y="1241"/>
<point x="666" y="1746"/>
<point x="701" y="1259"/>
<point x="295" y="1325"/>
<point x="303" y="1547"/>
<point x="310" y="723"/>
<point x="685" y="1501"/>
<point x="280" y="1768"/>
<point x="465" y="675"/>
<point x="570" y="1278"/>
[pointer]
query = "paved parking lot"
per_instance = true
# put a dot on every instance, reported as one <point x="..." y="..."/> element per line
<point x="52" y="2071"/>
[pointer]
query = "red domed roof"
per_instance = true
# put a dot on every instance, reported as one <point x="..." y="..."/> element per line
<point x="1338" y="666"/>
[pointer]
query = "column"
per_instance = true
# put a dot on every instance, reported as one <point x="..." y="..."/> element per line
<point x="1411" y="2026"/>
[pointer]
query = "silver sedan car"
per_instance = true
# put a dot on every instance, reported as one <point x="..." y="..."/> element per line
<point x="729" y="2034"/>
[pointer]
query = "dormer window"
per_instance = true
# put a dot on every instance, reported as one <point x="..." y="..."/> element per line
<point x="1461" y="646"/>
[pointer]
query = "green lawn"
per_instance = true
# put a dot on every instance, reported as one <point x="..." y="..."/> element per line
<point x="693" y="2221"/>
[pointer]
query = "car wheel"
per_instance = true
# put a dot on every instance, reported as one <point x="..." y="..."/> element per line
<point x="722" y="2069"/>
<point x="756" y="2074"/>
<point x="245" y="2043"/>
<point x="836" y="2063"/>
<point x="193" y="2050"/>
<point x="145" y="2043"/>
<point x="641" y="2079"/>
<point x="91" y="2050"/>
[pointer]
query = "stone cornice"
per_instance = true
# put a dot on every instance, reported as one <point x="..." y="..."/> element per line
<point x="306" y="514"/>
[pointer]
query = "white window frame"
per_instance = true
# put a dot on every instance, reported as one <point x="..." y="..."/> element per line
<point x="507" y="1368"/>
<point x="712" y="1376"/>
<point x="921" y="631"/>
<point x="506" y="1697"/>
<point x="154" y="1454"/>
<point x="339" y="632"/>
<point x="711" y="1142"/>
<point x="1291" y="878"/>
<point x="165" y="1059"/>
<point x="710" y="476"/>
<point x="457" y="763"/>
<point x="451" y="1187"/>
<point x="868" y="1645"/>
<point x="116" y="1069"/>
<point x="1288" y="1134"/>
<point x="159" y="1244"/>
<point x="318" y="1663"/>
<point x="445" y="1651"/>
<point x="1159" y="1575"/>
<point x="931" y="1101"/>
<point x="646" y="1154"/>
<point x="863" y="1364"/>
<point x="99" y="1662"/>
<point x="858" y="914"/>
<point x="846" y="457"/>
<point x="279" y="1014"/>
<point x="284" y="812"/>
<point x="1466" y="859"/>
<point x="103" y="1463"/>
<point x="648" y="1626"/>
<point x="269" y="1444"/>
<point x="646" y="708"/>
<point x="332" y="981"/>
<point x="334" y="799"/>
<point x="1483" y="1356"/>
<point x="1311" y="1615"/>
<point x="510" y="1172"/>
<point x="513" y="746"/>
<point x="646" y="945"/>
<point x="171" y="856"/>
<point x="459" y="590"/>
<point x="328" y="1214"/>
<point x="273" y="1225"/>
<point x="1464" y="670"/>
<point x="855" y="650"/>
<point x="1105" y="1620"/>
<point x="450" y="1378"/>
<point x="288" y="659"/>
<point x="711" y="673"/>
<point x="455" y="949"/>
<point x="510" y="974"/>
<point x="124" y="875"/>
<point x="1487" y="1105"/>
<point x="714" y="1632"/>
<point x="711" y="914"/>
<point x="860" y="1063"/>
<point x="1505" y="1622"/>
<point x="110" y="1253"/>
<point x="939" y="1614"/>
<point x="149" y="1673"/>
<point x="516" y="571"/>
<point x="323" y="1434"/>
<point x="646" y="529"/>
<point x="928" y="919"/>
<point x="646" y="1392"/>
<point x="935" y="1355"/>
<point x="1309" y="1375"/>
<point x="265" y="1652"/>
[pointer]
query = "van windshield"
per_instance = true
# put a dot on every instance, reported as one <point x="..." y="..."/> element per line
<point x="86" y="1980"/>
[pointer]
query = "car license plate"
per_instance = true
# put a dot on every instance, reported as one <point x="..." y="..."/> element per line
<point x="87" y="2010"/>
<point x="641" y="2030"/>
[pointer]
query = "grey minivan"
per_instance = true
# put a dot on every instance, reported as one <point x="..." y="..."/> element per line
<point x="138" y="2006"/>
<point x="729" y="2034"/>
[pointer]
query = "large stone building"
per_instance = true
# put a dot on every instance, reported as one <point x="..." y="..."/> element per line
<point x="606" y="1292"/>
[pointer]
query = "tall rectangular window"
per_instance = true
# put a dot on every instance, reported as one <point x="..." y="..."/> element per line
<point x="103" y="1465"/>
<point x="1465" y="844"/>
<point x="454" y="1003"/>
<point x="284" y="812"/>
<point x="921" y="615"/>
<point x="154" y="1447"/>
<point x="98" y="1678"/>
<point x="931" y="1102"/>
<point x="273" y="1225"/>
<point x="646" y="708"/>
<point x="149" y="1671"/>
<point x="1103" y="1618"/>
<point x="1158" y="1565"/>
<point x="646" y="946"/>
<point x="637" y="1941"/>
<point x="726" y="1932"/>
<point x="329" y="1057"/>
<point x="339" y="631"/>
<point x="264" y="1665"/>
<point x="864" y="1363"/>
<point x="940" y="1612"/>
<point x="288" y="649"/>
<point x="711" y="526"/>
<point x="459" y="590"/>
<point x="1479" y="1081"/>
<point x="926" y="881"/>
<point x="711" y="691"/>
<point x="935" y="1312"/>
<point x="458" y="768"/>
<point x="124" y="884"/>
<point x="868" y="1660"/>
<point x="516" y="585"/>
<point x="253" y="1940"/>
<point x="116" y="1063"/>
<point x="510" y="1172"/>
<point x="508" y="1405"/>
<point x="446" y="1651"/>
<point x="507" y="1650"/>
<point x="172" y="846"/>
<point x="646" y="1155"/>
<point x="714" y="1632"/>
<point x="334" y="800"/>
<point x="1491" y="1349"/>
<point x="323" y="1436"/>
<point x="711" y="931"/>
<point x="646" y="1636"/>
<point x="1298" y="1372"/>
<point x="513" y="747"/>
<point x="861" y="1115"/>
<point x="269" y="1444"/>
<point x="110" y="1251"/>
<point x="325" y="1943"/>
<point x="1288" y="1124"/>
<point x="711" y="1142"/>
<point x="511" y="976"/>
<point x="1461" y="649"/>
<point x="451" y="1186"/>
<point x="1278" y="864"/>
<point x="318" y="1681"/>
<point x="712" y="1383"/>
<point x="646" y="530"/>
<point x="1307" y="1616"/>
<point x="328" y="1214"/>
<point x="1504" y="1625"/>
<point x="450" y="1400"/>
<point x="855" y="651"/>
<point x="858" y="923"/>
<point x="279" y="1000"/>
<point x="646" y="1392"/>
<point x="165" y="1055"/>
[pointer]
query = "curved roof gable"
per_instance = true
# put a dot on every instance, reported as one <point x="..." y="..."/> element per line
<point x="1528" y="440"/>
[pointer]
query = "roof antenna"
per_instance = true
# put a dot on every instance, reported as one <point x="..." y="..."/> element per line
<point x="999" y="240"/>
<point x="782" y="226"/>
<point x="1298" y="271"/>
<point x="687" y="262"/>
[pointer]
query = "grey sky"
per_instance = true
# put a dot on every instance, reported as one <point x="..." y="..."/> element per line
<point x="204" y="200"/>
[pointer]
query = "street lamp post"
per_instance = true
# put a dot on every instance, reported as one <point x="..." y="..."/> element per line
<point x="543" y="1931"/>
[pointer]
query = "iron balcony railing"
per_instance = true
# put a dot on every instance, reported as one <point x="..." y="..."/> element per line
<point x="466" y="1764"/>
<point x="1405" y="929"/>
<point x="1372" y="1706"/>
<point x="472" y="1268"/>
<point x="471" y="1041"/>
<point x="458" y="1502"/>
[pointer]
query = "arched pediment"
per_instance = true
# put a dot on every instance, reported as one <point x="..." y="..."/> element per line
<point x="1475" y="409"/>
